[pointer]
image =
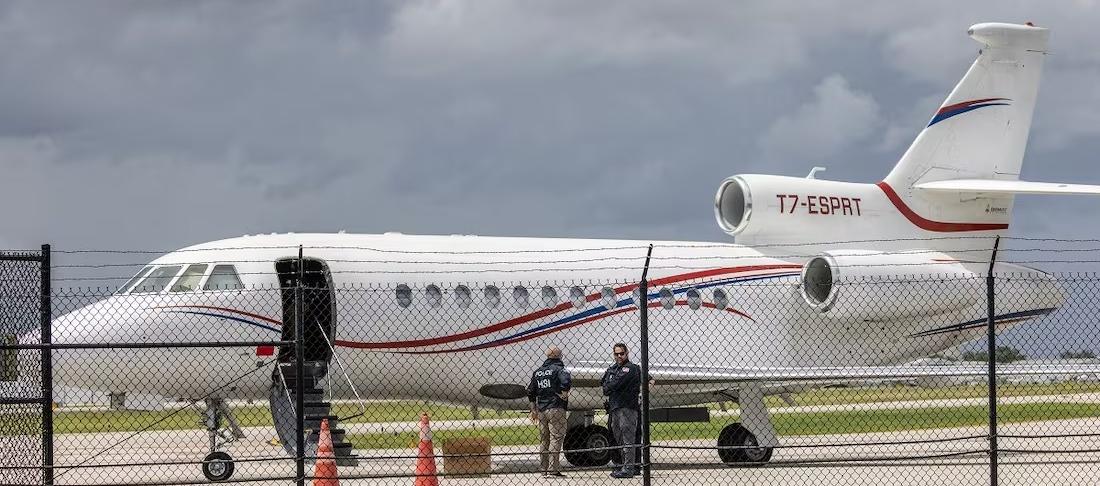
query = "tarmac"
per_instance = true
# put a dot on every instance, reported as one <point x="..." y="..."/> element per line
<point x="955" y="456"/>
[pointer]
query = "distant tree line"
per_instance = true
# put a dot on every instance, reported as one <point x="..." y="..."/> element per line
<point x="1009" y="354"/>
<point x="1003" y="354"/>
<point x="1083" y="354"/>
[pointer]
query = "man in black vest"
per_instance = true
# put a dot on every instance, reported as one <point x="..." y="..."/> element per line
<point x="622" y="384"/>
<point x="549" y="396"/>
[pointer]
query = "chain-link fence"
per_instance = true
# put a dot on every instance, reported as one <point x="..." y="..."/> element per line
<point x="25" y="387"/>
<point x="759" y="373"/>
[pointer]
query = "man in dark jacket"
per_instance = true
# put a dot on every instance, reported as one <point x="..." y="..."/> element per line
<point x="621" y="385"/>
<point x="549" y="396"/>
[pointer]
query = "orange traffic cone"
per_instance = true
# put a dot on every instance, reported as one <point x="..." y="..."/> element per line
<point x="425" y="457"/>
<point x="324" y="472"/>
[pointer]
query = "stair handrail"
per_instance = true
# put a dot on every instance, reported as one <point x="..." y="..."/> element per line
<point x="344" y="371"/>
<point x="286" y="389"/>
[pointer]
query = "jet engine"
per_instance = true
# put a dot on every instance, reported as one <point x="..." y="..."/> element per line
<point x="762" y="209"/>
<point x="877" y="286"/>
<point x="733" y="205"/>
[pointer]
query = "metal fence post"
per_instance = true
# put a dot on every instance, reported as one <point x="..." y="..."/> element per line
<point x="299" y="376"/>
<point x="643" y="306"/>
<point x="991" y="362"/>
<point x="47" y="367"/>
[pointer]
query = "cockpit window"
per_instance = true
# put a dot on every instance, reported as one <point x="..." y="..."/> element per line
<point x="189" y="281"/>
<point x="130" y="284"/>
<point x="223" y="277"/>
<point x="157" y="280"/>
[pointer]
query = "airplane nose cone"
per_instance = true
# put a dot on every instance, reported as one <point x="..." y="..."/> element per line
<point x="96" y="323"/>
<point x="70" y="367"/>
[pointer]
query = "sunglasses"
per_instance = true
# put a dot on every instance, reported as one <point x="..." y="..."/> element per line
<point x="620" y="354"/>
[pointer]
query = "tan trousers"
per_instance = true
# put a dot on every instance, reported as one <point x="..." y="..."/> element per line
<point x="552" y="433"/>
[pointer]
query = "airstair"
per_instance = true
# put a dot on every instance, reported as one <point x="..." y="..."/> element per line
<point x="316" y="406"/>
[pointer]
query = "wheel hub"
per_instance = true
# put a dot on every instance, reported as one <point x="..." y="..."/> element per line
<point x="217" y="467"/>
<point x="755" y="454"/>
<point x="596" y="441"/>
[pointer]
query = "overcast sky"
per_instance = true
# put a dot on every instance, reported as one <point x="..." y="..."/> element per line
<point x="155" y="125"/>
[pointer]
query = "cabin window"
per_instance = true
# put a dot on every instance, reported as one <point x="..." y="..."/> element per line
<point x="549" y="296"/>
<point x="492" y="297"/>
<point x="608" y="298"/>
<point x="130" y="284"/>
<point x="694" y="299"/>
<point x="404" y="296"/>
<point x="434" y="295"/>
<point x="463" y="297"/>
<point x="577" y="297"/>
<point x="189" y="281"/>
<point x="720" y="299"/>
<point x="521" y="296"/>
<point x="157" y="280"/>
<point x="668" y="300"/>
<point x="223" y="277"/>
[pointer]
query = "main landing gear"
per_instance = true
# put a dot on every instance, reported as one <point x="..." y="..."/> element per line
<point x="589" y="446"/>
<point x="218" y="465"/>
<point x="737" y="446"/>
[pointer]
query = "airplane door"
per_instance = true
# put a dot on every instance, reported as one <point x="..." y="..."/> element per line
<point x="318" y="312"/>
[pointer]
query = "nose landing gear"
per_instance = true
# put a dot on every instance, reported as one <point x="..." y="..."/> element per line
<point x="218" y="465"/>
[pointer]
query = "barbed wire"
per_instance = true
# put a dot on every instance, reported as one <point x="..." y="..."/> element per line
<point x="658" y="258"/>
<point x="488" y="271"/>
<point x="640" y="245"/>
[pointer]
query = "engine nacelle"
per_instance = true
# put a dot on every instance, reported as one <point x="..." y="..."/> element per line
<point x="733" y="205"/>
<point x="765" y="208"/>
<point x="877" y="286"/>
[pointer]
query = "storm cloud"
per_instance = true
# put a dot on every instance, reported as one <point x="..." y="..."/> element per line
<point x="158" y="125"/>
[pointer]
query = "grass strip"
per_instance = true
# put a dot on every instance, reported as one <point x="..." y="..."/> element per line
<point x="787" y="424"/>
<point x="99" y="421"/>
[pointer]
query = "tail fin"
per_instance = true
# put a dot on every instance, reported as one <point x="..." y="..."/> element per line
<point x="981" y="130"/>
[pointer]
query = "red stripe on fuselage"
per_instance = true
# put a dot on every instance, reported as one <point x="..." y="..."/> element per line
<point x="510" y="323"/>
<point x="224" y="309"/>
<point x="526" y="337"/>
<point x="929" y="225"/>
<point x="544" y="332"/>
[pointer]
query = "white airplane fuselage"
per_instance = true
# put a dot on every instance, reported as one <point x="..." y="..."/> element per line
<point x="449" y="352"/>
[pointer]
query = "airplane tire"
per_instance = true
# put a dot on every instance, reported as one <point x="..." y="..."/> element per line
<point x="590" y="437"/>
<point x="737" y="435"/>
<point x="217" y="466"/>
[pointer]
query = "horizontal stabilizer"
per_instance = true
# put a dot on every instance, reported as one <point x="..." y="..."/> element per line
<point x="994" y="186"/>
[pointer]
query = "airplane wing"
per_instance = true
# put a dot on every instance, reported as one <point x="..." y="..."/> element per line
<point x="995" y="186"/>
<point x="690" y="375"/>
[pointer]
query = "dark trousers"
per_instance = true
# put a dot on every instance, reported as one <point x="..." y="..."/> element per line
<point x="624" y="425"/>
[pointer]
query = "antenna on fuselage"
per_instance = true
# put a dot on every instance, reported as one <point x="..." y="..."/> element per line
<point x="814" y="171"/>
